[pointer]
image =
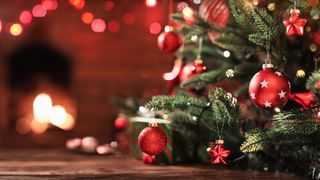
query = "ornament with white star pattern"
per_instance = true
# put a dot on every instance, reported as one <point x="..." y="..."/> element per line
<point x="269" y="89"/>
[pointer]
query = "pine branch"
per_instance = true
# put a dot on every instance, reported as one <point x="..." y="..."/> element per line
<point x="204" y="79"/>
<point x="255" y="141"/>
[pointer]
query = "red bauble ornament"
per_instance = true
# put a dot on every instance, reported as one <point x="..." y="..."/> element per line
<point x="305" y="99"/>
<point x="120" y="123"/>
<point x="269" y="89"/>
<point x="152" y="140"/>
<point x="216" y="12"/>
<point x="191" y="69"/>
<point x="294" y="25"/>
<point x="169" y="41"/>
<point x="218" y="153"/>
<point x="148" y="159"/>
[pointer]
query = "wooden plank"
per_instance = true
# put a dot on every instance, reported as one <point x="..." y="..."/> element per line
<point x="62" y="164"/>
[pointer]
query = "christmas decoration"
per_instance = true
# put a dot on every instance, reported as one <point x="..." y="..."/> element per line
<point x="89" y="144"/>
<point x="218" y="153"/>
<point x="294" y="25"/>
<point x="304" y="99"/>
<point x="192" y="69"/>
<point x="152" y="140"/>
<point x="148" y="159"/>
<point x="269" y="89"/>
<point x="318" y="117"/>
<point x="313" y="3"/>
<point x="169" y="41"/>
<point x="105" y="149"/>
<point x="120" y="123"/>
<point x="316" y="38"/>
<point x="73" y="144"/>
<point x="258" y="3"/>
<point x="172" y="77"/>
<point x="215" y="12"/>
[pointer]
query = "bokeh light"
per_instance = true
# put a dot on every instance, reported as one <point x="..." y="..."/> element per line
<point x="98" y="25"/>
<point x="78" y="4"/>
<point x="151" y="3"/>
<point x="108" y="6"/>
<point x="181" y="6"/>
<point x="155" y="28"/>
<point x="23" y="126"/>
<point x="25" y="17"/>
<point x="38" y="127"/>
<point x="0" y="25"/>
<point x="16" y="29"/>
<point x="128" y="18"/>
<point x="39" y="11"/>
<point x="87" y="17"/>
<point x="49" y="4"/>
<point x="114" y="26"/>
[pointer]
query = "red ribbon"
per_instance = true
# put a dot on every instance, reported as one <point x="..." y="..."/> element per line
<point x="304" y="99"/>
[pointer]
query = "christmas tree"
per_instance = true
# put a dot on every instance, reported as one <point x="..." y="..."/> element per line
<point x="268" y="121"/>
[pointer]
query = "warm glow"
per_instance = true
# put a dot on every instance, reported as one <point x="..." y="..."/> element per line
<point x="151" y="3"/>
<point x="0" y="25"/>
<point x="155" y="28"/>
<point x="25" y="17"/>
<point x="39" y="11"/>
<point x="98" y="25"/>
<point x="78" y="4"/>
<point x="87" y="17"/>
<point x="58" y="115"/>
<point x="16" y="29"/>
<point x="42" y="106"/>
<point x="23" y="126"/>
<point x="50" y="4"/>
<point x="188" y="15"/>
<point x="38" y="127"/>
<point x="128" y="18"/>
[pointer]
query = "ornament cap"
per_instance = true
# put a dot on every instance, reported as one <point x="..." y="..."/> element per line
<point x="219" y="141"/>
<point x="268" y="65"/>
<point x="198" y="61"/>
<point x="153" y="124"/>
<point x="296" y="11"/>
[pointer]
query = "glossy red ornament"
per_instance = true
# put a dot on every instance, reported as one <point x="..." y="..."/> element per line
<point x="192" y="69"/>
<point x="152" y="140"/>
<point x="304" y="99"/>
<point x="269" y="89"/>
<point x="148" y="159"/>
<point x="218" y="153"/>
<point x="120" y="123"/>
<point x="216" y="12"/>
<point x="294" y="25"/>
<point x="169" y="41"/>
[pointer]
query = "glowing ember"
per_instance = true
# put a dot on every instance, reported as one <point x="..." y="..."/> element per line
<point x="155" y="28"/>
<point x="98" y="25"/>
<point x="87" y="17"/>
<point x="42" y="106"/>
<point x="151" y="3"/>
<point x="39" y="11"/>
<point x="25" y="17"/>
<point x="16" y="29"/>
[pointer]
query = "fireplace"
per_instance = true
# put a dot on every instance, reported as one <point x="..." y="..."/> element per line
<point x="40" y="94"/>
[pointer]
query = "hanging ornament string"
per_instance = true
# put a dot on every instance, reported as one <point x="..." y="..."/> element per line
<point x="200" y="42"/>
<point x="220" y="130"/>
<point x="268" y="48"/>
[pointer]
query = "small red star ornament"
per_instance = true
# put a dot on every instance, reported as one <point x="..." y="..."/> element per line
<point x="218" y="153"/>
<point x="269" y="89"/>
<point x="294" y="25"/>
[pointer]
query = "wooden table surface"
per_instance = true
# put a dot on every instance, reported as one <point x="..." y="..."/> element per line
<point x="20" y="163"/>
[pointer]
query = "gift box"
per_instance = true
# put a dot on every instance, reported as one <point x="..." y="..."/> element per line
<point x="179" y="148"/>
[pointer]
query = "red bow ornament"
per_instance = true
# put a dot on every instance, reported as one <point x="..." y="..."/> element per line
<point x="218" y="153"/>
<point x="294" y="25"/>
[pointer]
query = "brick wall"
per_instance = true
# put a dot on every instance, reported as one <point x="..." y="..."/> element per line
<point x="104" y="65"/>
